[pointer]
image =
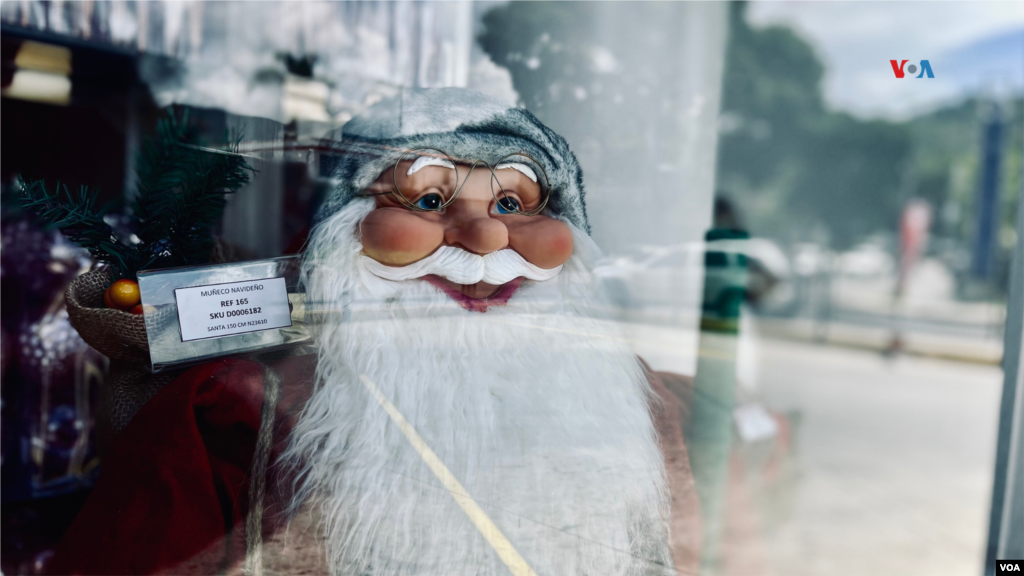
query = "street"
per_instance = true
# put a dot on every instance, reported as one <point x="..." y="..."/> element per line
<point x="894" y="459"/>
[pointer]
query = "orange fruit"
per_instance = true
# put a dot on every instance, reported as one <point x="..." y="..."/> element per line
<point x="137" y="309"/>
<point x="106" y="299"/>
<point x="124" y="294"/>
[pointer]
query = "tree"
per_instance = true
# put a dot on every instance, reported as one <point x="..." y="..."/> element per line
<point x="788" y="158"/>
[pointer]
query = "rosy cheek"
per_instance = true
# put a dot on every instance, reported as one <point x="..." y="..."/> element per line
<point x="543" y="241"/>
<point x="396" y="237"/>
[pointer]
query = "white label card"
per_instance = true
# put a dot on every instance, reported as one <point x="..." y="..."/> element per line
<point x="220" y="310"/>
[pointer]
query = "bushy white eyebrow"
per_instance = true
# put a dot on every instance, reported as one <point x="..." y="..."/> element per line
<point x="424" y="161"/>
<point x="520" y="167"/>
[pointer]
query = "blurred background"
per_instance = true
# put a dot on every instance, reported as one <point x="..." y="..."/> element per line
<point x="809" y="210"/>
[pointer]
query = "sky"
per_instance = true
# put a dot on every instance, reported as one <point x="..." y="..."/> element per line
<point x="973" y="47"/>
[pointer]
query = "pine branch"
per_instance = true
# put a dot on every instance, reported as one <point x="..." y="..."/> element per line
<point x="180" y="197"/>
<point x="159" y="174"/>
<point x="181" y="192"/>
<point x="78" y="219"/>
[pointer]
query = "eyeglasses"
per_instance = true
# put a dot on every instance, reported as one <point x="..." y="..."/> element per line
<point x="509" y="205"/>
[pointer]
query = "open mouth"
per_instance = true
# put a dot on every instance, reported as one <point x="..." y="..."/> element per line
<point x="476" y="297"/>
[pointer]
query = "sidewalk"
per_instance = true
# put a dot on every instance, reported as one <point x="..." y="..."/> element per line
<point x="895" y="460"/>
<point x="978" y="349"/>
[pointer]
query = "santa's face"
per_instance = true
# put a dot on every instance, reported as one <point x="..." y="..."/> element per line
<point x="538" y="409"/>
<point x="483" y="219"/>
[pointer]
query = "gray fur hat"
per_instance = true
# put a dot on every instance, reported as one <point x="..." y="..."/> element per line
<point x="461" y="122"/>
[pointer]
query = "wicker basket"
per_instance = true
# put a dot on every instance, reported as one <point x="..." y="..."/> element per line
<point x="115" y="334"/>
<point x="121" y="337"/>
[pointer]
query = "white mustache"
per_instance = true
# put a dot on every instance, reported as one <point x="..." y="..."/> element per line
<point x="463" y="267"/>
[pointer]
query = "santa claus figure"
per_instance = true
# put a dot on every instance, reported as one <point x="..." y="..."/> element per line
<point x="467" y="409"/>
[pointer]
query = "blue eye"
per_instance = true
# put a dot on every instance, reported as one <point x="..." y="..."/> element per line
<point x="430" y="202"/>
<point x="507" y="205"/>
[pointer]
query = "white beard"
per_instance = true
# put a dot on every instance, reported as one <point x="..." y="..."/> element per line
<point x="540" y="411"/>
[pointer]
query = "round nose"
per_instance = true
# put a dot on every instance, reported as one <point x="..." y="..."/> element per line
<point x="479" y="235"/>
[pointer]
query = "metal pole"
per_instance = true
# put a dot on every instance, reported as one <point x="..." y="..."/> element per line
<point x="988" y="196"/>
<point x="1006" y="522"/>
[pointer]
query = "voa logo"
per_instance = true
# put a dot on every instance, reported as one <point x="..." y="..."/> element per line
<point x="1007" y="566"/>
<point x="926" y="68"/>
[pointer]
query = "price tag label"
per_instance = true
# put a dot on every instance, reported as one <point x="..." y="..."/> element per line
<point x="217" y="310"/>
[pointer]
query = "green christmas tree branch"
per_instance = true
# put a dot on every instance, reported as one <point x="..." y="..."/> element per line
<point x="180" y="196"/>
<point x="76" y="216"/>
